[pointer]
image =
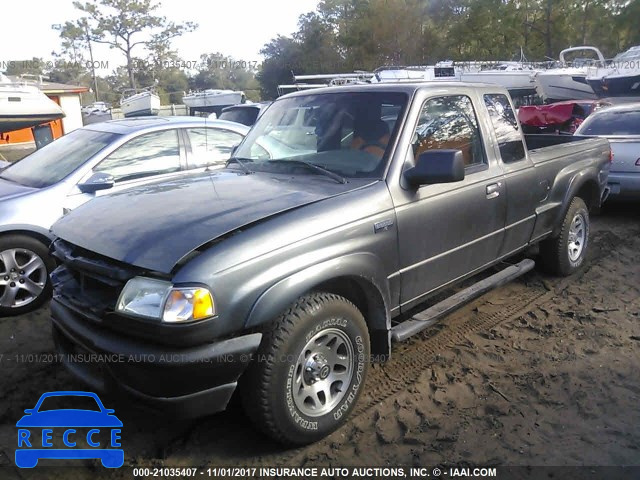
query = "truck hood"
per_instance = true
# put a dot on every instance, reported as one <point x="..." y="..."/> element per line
<point x="154" y="226"/>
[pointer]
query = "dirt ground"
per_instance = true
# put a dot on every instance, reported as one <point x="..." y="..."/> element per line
<point x="543" y="371"/>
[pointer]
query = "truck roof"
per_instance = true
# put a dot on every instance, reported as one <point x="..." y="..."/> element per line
<point x="406" y="87"/>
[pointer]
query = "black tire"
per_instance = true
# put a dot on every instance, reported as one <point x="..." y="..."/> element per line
<point x="555" y="252"/>
<point x="24" y="301"/>
<point x="275" y="384"/>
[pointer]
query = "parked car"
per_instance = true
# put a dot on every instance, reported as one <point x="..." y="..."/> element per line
<point x="244" y="113"/>
<point x="84" y="164"/>
<point x="285" y="275"/>
<point x="619" y="124"/>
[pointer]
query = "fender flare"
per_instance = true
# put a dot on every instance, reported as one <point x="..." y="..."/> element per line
<point x="366" y="267"/>
<point x="576" y="184"/>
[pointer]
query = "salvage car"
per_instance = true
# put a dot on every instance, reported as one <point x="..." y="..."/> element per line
<point x="561" y="117"/>
<point x="84" y="164"/>
<point x="619" y="124"/>
<point x="283" y="277"/>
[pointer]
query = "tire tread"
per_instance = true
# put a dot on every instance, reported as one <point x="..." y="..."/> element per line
<point x="255" y="384"/>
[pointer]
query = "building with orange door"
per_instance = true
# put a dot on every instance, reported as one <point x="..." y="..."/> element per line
<point x="68" y="97"/>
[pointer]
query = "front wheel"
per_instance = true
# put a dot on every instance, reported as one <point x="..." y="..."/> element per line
<point x="309" y="370"/>
<point x="566" y="253"/>
<point x="24" y="274"/>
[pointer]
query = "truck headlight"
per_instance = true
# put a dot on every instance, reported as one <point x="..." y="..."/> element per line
<point x="184" y="304"/>
<point x="160" y="300"/>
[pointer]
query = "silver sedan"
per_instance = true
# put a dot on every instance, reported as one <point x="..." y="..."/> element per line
<point x="619" y="124"/>
<point x="88" y="162"/>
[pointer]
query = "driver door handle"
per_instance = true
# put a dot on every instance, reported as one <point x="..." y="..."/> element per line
<point x="493" y="190"/>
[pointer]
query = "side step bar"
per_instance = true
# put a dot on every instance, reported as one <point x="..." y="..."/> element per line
<point x="433" y="314"/>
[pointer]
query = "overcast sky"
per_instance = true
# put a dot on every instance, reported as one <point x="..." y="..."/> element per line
<point x="238" y="28"/>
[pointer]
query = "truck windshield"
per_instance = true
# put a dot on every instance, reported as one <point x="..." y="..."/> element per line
<point x="612" y="123"/>
<point x="59" y="159"/>
<point x="348" y="133"/>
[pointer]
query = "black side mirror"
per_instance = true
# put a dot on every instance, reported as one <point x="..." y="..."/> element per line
<point x="436" y="166"/>
<point x="97" y="181"/>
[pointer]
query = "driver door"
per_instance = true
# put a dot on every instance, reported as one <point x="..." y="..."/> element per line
<point x="449" y="230"/>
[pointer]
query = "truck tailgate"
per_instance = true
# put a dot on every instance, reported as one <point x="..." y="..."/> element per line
<point x="626" y="154"/>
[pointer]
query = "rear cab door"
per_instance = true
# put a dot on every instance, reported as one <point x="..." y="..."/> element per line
<point x="524" y="191"/>
<point x="447" y="231"/>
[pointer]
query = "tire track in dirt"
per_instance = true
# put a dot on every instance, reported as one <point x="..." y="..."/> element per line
<point x="406" y="366"/>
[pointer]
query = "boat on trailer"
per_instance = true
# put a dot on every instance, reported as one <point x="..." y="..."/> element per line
<point x="517" y="77"/>
<point x="143" y="103"/>
<point x="620" y="77"/>
<point x="568" y="81"/>
<point x="23" y="105"/>
<point x="212" y="100"/>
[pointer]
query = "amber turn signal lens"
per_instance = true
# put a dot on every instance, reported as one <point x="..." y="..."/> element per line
<point x="202" y="304"/>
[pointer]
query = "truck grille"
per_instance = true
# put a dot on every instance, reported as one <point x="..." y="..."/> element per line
<point x="86" y="282"/>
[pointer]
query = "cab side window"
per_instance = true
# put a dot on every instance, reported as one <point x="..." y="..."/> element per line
<point x="506" y="127"/>
<point x="450" y="123"/>
<point x="149" y="154"/>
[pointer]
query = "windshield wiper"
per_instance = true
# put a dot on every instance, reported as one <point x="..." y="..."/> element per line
<point x="241" y="161"/>
<point x="317" y="168"/>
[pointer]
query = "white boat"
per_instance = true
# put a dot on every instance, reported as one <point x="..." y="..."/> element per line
<point x="441" y="71"/>
<point x="212" y="100"/>
<point x="23" y="106"/>
<point x="140" y="104"/>
<point x="517" y="77"/>
<point x="325" y="80"/>
<point x="96" y="112"/>
<point x="620" y="77"/>
<point x="569" y="80"/>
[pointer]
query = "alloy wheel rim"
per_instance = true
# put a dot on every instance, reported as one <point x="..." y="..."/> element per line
<point x="23" y="276"/>
<point x="577" y="237"/>
<point x="323" y="372"/>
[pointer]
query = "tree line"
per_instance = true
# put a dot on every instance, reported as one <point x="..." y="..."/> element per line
<point x="339" y="36"/>
<point x="347" y="35"/>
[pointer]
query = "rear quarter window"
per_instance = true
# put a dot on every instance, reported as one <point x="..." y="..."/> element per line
<point x="506" y="128"/>
<point x="612" y="123"/>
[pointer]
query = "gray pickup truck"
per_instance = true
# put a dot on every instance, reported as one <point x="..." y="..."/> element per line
<point x="285" y="274"/>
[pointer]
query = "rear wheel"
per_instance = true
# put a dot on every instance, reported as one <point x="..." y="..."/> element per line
<point x="25" y="265"/>
<point x="566" y="253"/>
<point x="309" y="370"/>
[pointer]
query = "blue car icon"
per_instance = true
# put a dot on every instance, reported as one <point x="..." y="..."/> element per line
<point x="32" y="446"/>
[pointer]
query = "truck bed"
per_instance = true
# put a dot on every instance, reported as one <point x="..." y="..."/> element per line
<point x="538" y="142"/>
<point x="548" y="147"/>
